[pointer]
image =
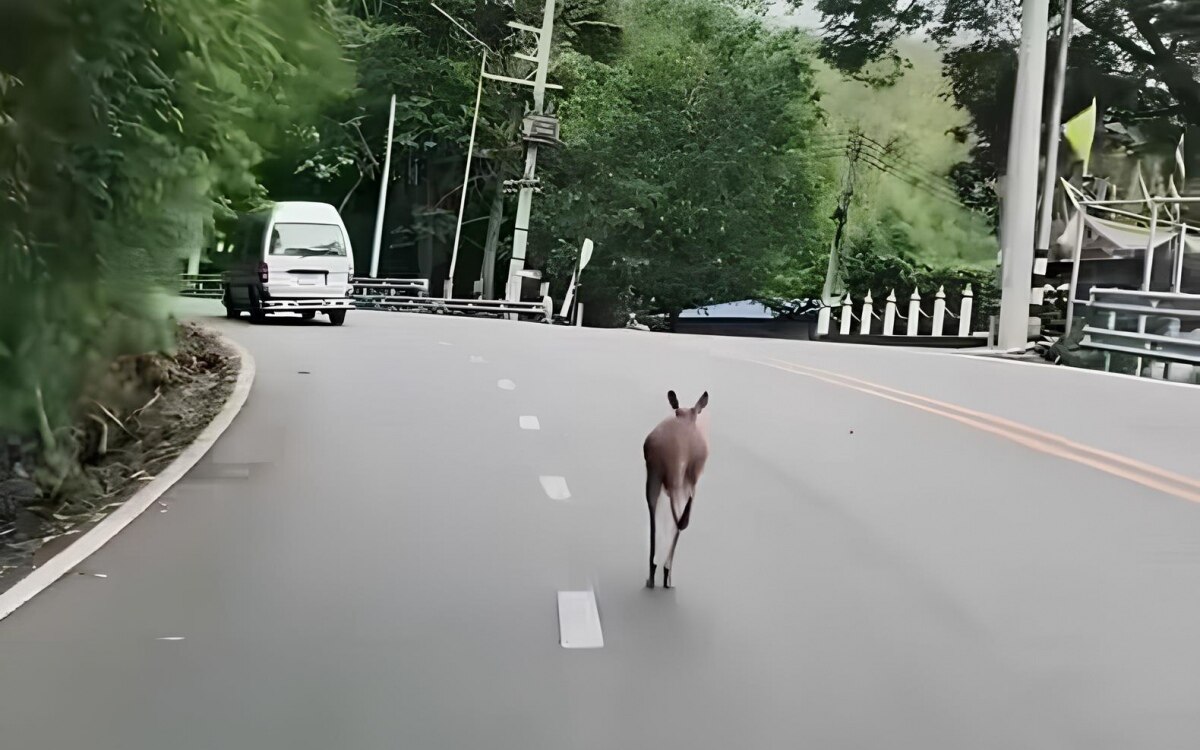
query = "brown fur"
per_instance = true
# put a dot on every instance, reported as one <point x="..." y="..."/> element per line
<point x="675" y="453"/>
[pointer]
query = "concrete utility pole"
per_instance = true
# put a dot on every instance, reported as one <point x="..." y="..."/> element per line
<point x="1054" y="126"/>
<point x="528" y="180"/>
<point x="1017" y="228"/>
<point x="841" y="215"/>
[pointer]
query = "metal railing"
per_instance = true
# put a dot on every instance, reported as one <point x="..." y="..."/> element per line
<point x="398" y="295"/>
<point x="200" y="285"/>
<point x="391" y="287"/>
<point x="1162" y="326"/>
<point x="539" y="310"/>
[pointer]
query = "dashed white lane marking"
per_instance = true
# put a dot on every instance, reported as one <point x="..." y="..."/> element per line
<point x="555" y="487"/>
<point x="506" y="385"/>
<point x="579" y="620"/>
<point x="445" y="343"/>
<point x="530" y="423"/>
<point x="477" y="360"/>
<point x="170" y="638"/>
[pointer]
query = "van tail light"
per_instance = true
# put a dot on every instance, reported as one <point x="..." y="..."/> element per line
<point x="262" y="272"/>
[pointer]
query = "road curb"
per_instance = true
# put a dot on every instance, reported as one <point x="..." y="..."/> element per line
<point x="62" y="563"/>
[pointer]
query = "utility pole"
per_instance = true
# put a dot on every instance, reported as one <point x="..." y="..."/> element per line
<point x="1017" y="230"/>
<point x="528" y="180"/>
<point x="383" y="190"/>
<point x="840" y="216"/>
<point x="1054" y="126"/>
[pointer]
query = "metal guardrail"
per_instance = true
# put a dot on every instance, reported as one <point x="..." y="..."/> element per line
<point x="396" y="303"/>
<point x="400" y="295"/>
<point x="385" y="287"/>
<point x="1157" y="323"/>
<point x="201" y="285"/>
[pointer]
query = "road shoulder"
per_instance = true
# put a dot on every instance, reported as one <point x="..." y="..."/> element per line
<point x="87" y="544"/>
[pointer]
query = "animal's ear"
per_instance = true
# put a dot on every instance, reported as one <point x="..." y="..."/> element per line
<point x="673" y="399"/>
<point x="702" y="404"/>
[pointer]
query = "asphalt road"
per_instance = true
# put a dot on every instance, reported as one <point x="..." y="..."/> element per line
<point x="368" y="559"/>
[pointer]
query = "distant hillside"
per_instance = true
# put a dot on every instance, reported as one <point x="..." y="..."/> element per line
<point x="914" y="118"/>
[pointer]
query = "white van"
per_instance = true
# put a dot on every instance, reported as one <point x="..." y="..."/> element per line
<point x="294" y="257"/>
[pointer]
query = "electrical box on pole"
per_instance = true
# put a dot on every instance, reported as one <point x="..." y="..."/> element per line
<point x="540" y="129"/>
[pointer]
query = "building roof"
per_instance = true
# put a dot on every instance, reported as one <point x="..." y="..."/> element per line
<point x="747" y="308"/>
<point x="1113" y="238"/>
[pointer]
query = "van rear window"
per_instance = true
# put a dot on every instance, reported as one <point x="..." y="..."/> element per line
<point x="307" y="240"/>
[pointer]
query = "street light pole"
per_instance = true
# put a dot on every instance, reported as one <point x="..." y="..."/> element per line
<point x="1054" y="126"/>
<point x="383" y="190"/>
<point x="462" y="201"/>
<point x="1017" y="231"/>
<point x="525" y="197"/>
<point x="585" y="256"/>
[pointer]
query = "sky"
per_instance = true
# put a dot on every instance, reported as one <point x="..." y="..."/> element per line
<point x="805" y="18"/>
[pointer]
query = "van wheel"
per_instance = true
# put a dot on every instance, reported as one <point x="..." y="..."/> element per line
<point x="308" y="314"/>
<point x="336" y="317"/>
<point x="257" y="314"/>
<point x="227" y="300"/>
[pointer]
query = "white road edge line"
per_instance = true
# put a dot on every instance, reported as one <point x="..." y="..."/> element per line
<point x="530" y="423"/>
<point x="579" y="620"/>
<point x="62" y="563"/>
<point x="555" y="487"/>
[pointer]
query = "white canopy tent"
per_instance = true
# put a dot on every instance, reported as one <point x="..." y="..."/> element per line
<point x="1117" y="239"/>
<point x="1147" y="235"/>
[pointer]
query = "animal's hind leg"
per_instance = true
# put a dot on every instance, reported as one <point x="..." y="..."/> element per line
<point x="686" y="518"/>
<point x="670" y="561"/>
<point x="679" y="523"/>
<point x="653" y="490"/>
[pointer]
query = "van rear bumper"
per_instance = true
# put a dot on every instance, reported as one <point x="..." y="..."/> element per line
<point x="290" y="305"/>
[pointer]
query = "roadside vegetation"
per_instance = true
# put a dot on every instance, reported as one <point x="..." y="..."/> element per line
<point x="703" y="152"/>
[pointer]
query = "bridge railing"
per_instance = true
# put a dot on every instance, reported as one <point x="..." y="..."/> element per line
<point x="1156" y="326"/>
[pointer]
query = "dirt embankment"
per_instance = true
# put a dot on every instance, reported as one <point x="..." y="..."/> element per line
<point x="134" y="421"/>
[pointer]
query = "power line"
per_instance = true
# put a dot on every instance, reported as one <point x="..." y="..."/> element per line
<point x="916" y="172"/>
<point x="900" y="163"/>
<point x="940" y="188"/>
<point x="884" y="159"/>
<point x="872" y="161"/>
<point x="912" y="166"/>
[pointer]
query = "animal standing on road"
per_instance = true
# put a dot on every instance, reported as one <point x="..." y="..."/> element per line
<point x="675" y="453"/>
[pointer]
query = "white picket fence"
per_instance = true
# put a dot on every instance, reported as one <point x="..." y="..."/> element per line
<point x="870" y="322"/>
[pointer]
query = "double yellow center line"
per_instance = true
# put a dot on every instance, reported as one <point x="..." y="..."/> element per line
<point x="1041" y="441"/>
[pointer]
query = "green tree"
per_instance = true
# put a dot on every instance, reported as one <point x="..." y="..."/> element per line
<point x="1139" y="58"/>
<point x="908" y="148"/>
<point x="688" y="162"/>
<point x="124" y="126"/>
<point x="408" y="48"/>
